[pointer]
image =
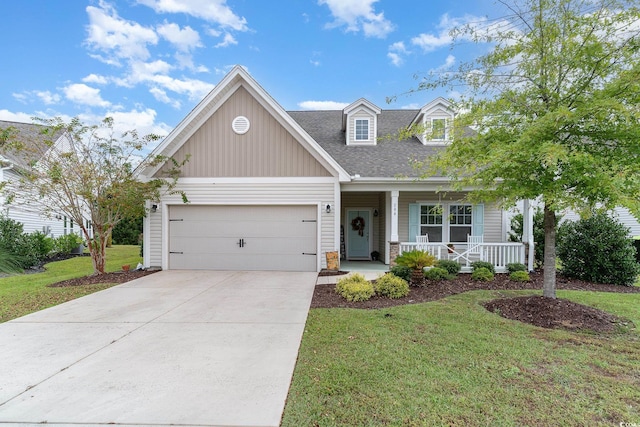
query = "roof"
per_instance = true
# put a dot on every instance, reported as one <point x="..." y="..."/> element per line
<point x="32" y="137"/>
<point x="389" y="158"/>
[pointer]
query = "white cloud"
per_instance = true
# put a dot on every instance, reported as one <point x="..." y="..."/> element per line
<point x="85" y="95"/>
<point x="396" y="51"/>
<point x="358" y="15"/>
<point x="16" y="117"/>
<point x="185" y="39"/>
<point x="47" y="97"/>
<point x="21" y="97"/>
<point x="322" y="105"/>
<point x="215" y="11"/>
<point x="430" y="42"/>
<point x="412" y="106"/>
<point x="162" y="96"/>
<point x="96" y="79"/>
<point x="114" y="36"/>
<point x="227" y="41"/>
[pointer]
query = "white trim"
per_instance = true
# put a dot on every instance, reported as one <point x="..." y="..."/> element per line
<point x="319" y="237"/>
<point x="369" y="231"/>
<point x="146" y="235"/>
<point x="355" y="129"/>
<point x="337" y="208"/>
<point x="260" y="180"/>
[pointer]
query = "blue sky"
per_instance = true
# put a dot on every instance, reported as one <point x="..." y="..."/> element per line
<point x="147" y="63"/>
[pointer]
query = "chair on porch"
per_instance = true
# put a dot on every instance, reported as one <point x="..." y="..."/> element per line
<point x="474" y="245"/>
<point x="421" y="240"/>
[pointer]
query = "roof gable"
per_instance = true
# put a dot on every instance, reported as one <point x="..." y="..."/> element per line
<point x="239" y="78"/>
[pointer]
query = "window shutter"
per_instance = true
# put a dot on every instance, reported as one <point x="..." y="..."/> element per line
<point x="414" y="221"/>
<point x="478" y="220"/>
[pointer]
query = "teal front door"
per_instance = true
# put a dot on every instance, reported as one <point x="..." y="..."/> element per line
<point x="358" y="230"/>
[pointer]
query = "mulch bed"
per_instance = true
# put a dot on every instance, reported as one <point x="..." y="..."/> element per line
<point x="540" y="311"/>
<point x="114" y="277"/>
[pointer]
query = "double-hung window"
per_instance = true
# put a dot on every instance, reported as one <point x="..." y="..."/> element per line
<point x="460" y="222"/>
<point x="362" y="129"/>
<point x="438" y="129"/>
<point x="431" y="222"/>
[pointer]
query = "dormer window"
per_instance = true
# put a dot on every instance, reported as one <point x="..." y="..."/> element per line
<point x="360" y="123"/>
<point x="438" y="130"/>
<point x="362" y="129"/>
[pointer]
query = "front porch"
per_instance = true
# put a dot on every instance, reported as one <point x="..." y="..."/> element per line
<point x="384" y="220"/>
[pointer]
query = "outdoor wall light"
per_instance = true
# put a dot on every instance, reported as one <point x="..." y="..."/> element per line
<point x="375" y="212"/>
<point x="328" y="209"/>
<point x="154" y="208"/>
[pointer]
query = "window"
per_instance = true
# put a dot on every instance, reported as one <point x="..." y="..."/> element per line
<point x="362" y="129"/>
<point x="438" y="129"/>
<point x="460" y="222"/>
<point x="431" y="222"/>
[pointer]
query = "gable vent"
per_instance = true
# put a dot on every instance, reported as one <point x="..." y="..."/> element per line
<point x="240" y="125"/>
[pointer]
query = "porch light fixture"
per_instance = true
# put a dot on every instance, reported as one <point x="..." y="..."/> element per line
<point x="375" y="212"/>
<point x="328" y="209"/>
<point x="154" y="208"/>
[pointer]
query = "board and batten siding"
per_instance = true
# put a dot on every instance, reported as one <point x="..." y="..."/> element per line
<point x="255" y="193"/>
<point x="492" y="214"/>
<point x="267" y="149"/>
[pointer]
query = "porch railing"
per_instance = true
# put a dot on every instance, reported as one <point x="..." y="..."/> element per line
<point x="499" y="254"/>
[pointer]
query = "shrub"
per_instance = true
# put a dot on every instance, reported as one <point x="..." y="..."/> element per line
<point x="436" y="273"/>
<point x="598" y="250"/>
<point x="66" y="244"/>
<point x="355" y="288"/>
<point x="416" y="259"/>
<point x="41" y="244"/>
<point x="516" y="266"/>
<point x="453" y="267"/>
<point x="635" y="242"/>
<point x="519" y="276"/>
<point x="402" y="272"/>
<point x="391" y="286"/>
<point x="483" y="274"/>
<point x="26" y="250"/>
<point x="483" y="264"/>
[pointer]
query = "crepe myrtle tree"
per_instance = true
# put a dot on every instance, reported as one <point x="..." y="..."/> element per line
<point x="550" y="112"/>
<point x="89" y="177"/>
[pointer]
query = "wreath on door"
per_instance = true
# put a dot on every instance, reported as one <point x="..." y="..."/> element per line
<point x="358" y="225"/>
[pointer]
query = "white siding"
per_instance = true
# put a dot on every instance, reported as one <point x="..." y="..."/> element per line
<point x="221" y="192"/>
<point x="621" y="214"/>
<point x="351" y="127"/>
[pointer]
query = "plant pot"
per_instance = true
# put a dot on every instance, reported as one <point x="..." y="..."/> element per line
<point x="126" y="267"/>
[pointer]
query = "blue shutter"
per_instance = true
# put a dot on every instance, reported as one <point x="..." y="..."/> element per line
<point x="478" y="220"/>
<point x="414" y="221"/>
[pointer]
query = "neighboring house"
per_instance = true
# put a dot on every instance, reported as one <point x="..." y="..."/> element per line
<point x="13" y="163"/>
<point x="275" y="190"/>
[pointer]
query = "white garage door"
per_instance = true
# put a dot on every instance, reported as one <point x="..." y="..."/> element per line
<point x="243" y="237"/>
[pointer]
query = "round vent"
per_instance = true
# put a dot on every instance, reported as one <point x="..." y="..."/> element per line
<point x="240" y="125"/>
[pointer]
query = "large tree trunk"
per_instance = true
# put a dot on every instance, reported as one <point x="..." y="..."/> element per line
<point x="549" y="284"/>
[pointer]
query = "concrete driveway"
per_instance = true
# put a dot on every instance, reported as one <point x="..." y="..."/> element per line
<point x="205" y="348"/>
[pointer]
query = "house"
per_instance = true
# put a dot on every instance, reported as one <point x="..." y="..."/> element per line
<point x="271" y="189"/>
<point x="12" y="165"/>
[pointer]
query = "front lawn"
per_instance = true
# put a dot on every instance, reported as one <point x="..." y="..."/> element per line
<point x="451" y="362"/>
<point x="25" y="293"/>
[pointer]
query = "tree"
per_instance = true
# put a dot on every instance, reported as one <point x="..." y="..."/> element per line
<point x="554" y="111"/>
<point x="90" y="177"/>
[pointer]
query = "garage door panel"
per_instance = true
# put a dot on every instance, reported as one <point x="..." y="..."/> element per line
<point x="274" y="237"/>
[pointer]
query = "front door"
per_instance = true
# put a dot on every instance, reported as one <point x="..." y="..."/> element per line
<point x="358" y="232"/>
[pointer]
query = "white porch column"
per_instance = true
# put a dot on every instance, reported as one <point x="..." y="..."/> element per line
<point x="527" y="231"/>
<point x="394" y="216"/>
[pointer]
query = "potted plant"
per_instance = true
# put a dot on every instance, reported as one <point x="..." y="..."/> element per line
<point x="375" y="256"/>
<point x="450" y="247"/>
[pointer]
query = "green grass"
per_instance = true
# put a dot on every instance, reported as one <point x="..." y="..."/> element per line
<point x="25" y="293"/>
<point x="451" y="362"/>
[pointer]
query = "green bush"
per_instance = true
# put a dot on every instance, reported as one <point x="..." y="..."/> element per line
<point x="436" y="273"/>
<point x="355" y="288"/>
<point x="416" y="259"/>
<point x="127" y="232"/>
<point x="391" y="286"/>
<point x="453" y="267"/>
<point x="26" y="250"/>
<point x="40" y="245"/>
<point x="482" y="274"/>
<point x="483" y="264"/>
<point x="519" y="276"/>
<point x="402" y="272"/>
<point x="516" y="266"/>
<point x="66" y="244"/>
<point x="597" y="249"/>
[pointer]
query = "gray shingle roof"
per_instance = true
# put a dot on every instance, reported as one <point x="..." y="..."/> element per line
<point x="389" y="158"/>
<point x="33" y="139"/>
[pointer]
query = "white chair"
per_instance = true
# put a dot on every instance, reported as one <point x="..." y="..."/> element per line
<point x="474" y="244"/>
<point x="421" y="242"/>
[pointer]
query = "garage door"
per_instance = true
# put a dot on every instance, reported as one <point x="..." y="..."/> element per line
<point x="243" y="237"/>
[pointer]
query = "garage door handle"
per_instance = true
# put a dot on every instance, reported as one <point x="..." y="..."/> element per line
<point x="241" y="243"/>
<point x="179" y="253"/>
<point x="307" y="253"/>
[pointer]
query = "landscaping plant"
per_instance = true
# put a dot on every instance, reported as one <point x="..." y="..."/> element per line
<point x="416" y="260"/>
<point x="516" y="266"/>
<point x="436" y="273"/>
<point x="483" y="264"/>
<point x="519" y="276"/>
<point x="483" y="274"/>
<point x="355" y="288"/>
<point x="453" y="267"/>
<point x="401" y="271"/>
<point x="597" y="249"/>
<point x="391" y="286"/>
